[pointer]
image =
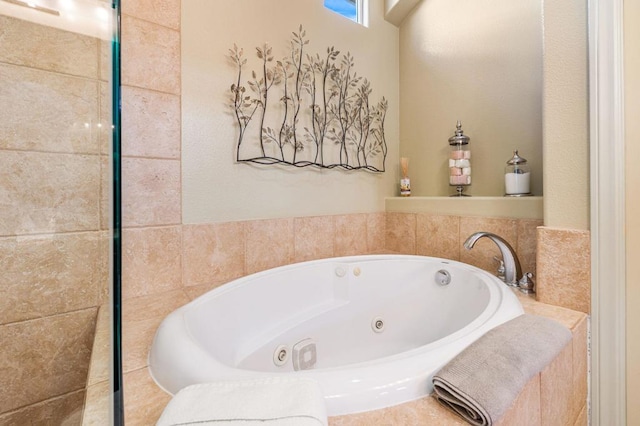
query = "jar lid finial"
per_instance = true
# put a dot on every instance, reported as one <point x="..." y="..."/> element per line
<point x="459" y="138"/>
<point x="516" y="159"/>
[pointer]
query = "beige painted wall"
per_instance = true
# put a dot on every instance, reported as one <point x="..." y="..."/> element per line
<point x="217" y="189"/>
<point x="566" y="109"/>
<point x="632" y="146"/>
<point x="479" y="62"/>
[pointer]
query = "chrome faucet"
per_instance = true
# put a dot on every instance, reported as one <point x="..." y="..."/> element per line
<point x="512" y="269"/>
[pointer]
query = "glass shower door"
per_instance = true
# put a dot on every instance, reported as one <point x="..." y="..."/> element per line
<point x="57" y="138"/>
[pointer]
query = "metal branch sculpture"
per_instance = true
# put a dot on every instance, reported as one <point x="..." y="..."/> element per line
<point x="323" y="118"/>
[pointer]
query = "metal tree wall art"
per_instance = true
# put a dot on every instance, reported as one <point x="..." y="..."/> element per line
<point x="307" y="110"/>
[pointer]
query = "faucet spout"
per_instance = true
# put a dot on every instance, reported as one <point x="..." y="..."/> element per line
<point x="512" y="269"/>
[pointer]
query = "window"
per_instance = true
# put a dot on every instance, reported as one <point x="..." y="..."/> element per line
<point x="351" y="9"/>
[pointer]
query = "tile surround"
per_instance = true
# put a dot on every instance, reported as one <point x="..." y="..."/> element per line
<point x="151" y="194"/>
<point x="565" y="278"/>
<point x="143" y="400"/>
<point x="526" y="245"/>
<point x="53" y="354"/>
<point x="376" y="232"/>
<point x="314" y="237"/>
<point x="44" y="275"/>
<point x="438" y="236"/>
<point x="556" y="402"/>
<point x="401" y="233"/>
<point x="151" y="260"/>
<point x="142" y="316"/>
<point x="273" y="241"/>
<point x="150" y="56"/>
<point x="350" y="234"/>
<point x="62" y="197"/>
<point x="152" y="119"/>
<point x="213" y="254"/>
<point x="444" y="235"/>
<point x="49" y="112"/>
<point x="268" y="243"/>
<point x="48" y="48"/>
<point x="60" y="410"/>
<point x="163" y="12"/>
<point x="97" y="405"/>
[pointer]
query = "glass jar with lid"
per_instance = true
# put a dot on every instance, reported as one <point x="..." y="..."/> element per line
<point x="459" y="161"/>
<point x="517" y="177"/>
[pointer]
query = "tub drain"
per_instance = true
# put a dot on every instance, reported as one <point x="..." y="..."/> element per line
<point x="443" y="277"/>
<point x="281" y="355"/>
<point x="377" y="325"/>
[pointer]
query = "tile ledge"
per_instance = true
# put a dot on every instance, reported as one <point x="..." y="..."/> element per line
<point x="511" y="207"/>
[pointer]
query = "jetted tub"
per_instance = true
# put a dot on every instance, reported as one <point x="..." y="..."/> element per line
<point x="372" y="330"/>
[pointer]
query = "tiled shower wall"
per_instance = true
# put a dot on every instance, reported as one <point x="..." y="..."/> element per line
<point x="53" y="222"/>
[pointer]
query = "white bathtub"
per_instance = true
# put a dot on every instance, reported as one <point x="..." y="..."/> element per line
<point x="361" y="363"/>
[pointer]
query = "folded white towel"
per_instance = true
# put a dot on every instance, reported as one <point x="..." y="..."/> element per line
<point x="281" y="401"/>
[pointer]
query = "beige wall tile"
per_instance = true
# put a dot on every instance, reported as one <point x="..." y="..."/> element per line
<point x="151" y="260"/>
<point x="556" y="388"/>
<point x="195" y="291"/>
<point x="350" y="234"/>
<point x="268" y="243"/>
<point x="45" y="357"/>
<point x="425" y="411"/>
<point x="49" y="112"/>
<point x="564" y="268"/>
<point x="564" y="316"/>
<point x="105" y="129"/>
<point x="151" y="193"/>
<point x="104" y="287"/>
<point x="401" y="233"/>
<point x="583" y="419"/>
<point x="213" y="254"/>
<point x="580" y="367"/>
<point x="100" y="363"/>
<point x="527" y="243"/>
<point x="483" y="253"/>
<point x="150" y="56"/>
<point x="105" y="59"/>
<point x="44" y="193"/>
<point x="106" y="192"/>
<point x="313" y="237"/>
<point x="376" y="232"/>
<point x="48" y="274"/>
<point x="143" y="400"/>
<point x="97" y="405"/>
<point x="141" y="317"/>
<point x="438" y="236"/>
<point x="525" y="410"/>
<point x="48" y="48"/>
<point x="163" y="12"/>
<point x="61" y="410"/>
<point x="150" y="123"/>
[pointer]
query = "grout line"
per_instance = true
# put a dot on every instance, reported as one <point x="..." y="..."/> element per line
<point x="58" y="314"/>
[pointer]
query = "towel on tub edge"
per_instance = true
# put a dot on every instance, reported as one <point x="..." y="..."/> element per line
<point x="266" y="402"/>
<point x="482" y="382"/>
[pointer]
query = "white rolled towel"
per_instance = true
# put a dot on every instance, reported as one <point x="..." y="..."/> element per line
<point x="271" y="401"/>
